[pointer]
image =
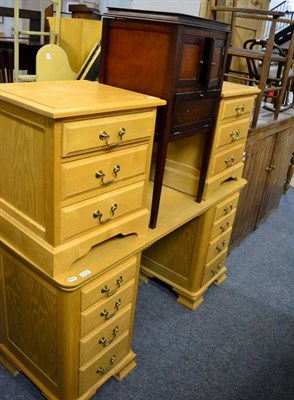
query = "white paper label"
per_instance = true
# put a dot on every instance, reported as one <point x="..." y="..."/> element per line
<point x="85" y="273"/>
<point x="72" y="279"/>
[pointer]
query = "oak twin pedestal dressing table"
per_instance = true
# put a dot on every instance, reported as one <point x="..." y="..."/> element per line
<point x="75" y="205"/>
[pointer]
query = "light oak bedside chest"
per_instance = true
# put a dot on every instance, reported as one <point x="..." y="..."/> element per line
<point x="74" y="160"/>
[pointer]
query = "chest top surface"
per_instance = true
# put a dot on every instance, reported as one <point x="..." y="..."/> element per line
<point x="61" y="99"/>
<point x="165" y="17"/>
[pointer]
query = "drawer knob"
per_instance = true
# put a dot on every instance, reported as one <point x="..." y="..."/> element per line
<point x="230" y="161"/>
<point x="106" y="290"/>
<point x="240" y="110"/>
<point x="101" y="175"/>
<point x="103" y="371"/>
<point x="235" y="135"/>
<point x="106" y="314"/>
<point x="105" y="137"/>
<point x="221" y="246"/>
<point x="228" y="209"/>
<point x="98" y="214"/>
<point x="108" y="342"/>
<point x="225" y="226"/>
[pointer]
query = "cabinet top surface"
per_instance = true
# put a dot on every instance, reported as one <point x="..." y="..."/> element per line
<point x="163" y="17"/>
<point x="60" y="99"/>
<point x="230" y="89"/>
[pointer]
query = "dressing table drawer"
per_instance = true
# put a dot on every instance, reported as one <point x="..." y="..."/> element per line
<point x="109" y="284"/>
<point x="213" y="268"/>
<point x="226" y="207"/>
<point x="226" y="159"/>
<point x="231" y="132"/>
<point x="106" y="309"/>
<point x="218" y="245"/>
<point x="223" y="224"/>
<point x="105" y="336"/>
<point x="103" y="364"/>
<point x="237" y="108"/>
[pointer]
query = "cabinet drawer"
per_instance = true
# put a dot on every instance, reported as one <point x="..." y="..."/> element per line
<point x="193" y="110"/>
<point x="106" y="309"/>
<point x="105" y="336"/>
<point x="89" y="135"/>
<point x="102" y="365"/>
<point x="100" y="210"/>
<point x="232" y="132"/>
<point x="104" y="172"/>
<point x="223" y="224"/>
<point x="213" y="267"/>
<point x="226" y="207"/>
<point x="109" y="284"/>
<point x="225" y="159"/>
<point x="237" y="108"/>
<point x="218" y="245"/>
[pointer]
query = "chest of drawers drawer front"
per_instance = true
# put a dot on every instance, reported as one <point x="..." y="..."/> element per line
<point x="223" y="224"/>
<point x="213" y="267"/>
<point x="102" y="365"/>
<point x="218" y="245"/>
<point x="103" y="173"/>
<point x="237" y="108"/>
<point x="106" y="309"/>
<point x="94" y="134"/>
<point x="232" y="132"/>
<point x="108" y="285"/>
<point x="226" y="207"/>
<point x="105" y="336"/>
<point x="100" y="210"/>
<point x="223" y="160"/>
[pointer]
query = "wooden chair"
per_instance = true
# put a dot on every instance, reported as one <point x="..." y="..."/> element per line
<point x="52" y="64"/>
<point x="275" y="73"/>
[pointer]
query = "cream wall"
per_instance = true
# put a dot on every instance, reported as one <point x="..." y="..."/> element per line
<point x="190" y="7"/>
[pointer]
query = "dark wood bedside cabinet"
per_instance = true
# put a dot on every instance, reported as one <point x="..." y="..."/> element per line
<point x="176" y="57"/>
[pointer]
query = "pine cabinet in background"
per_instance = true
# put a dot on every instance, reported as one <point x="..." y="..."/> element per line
<point x="268" y="153"/>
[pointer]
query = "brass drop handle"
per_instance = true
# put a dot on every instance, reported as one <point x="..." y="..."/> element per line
<point x="221" y="246"/>
<point x="106" y="290"/>
<point x="228" y="209"/>
<point x="103" y="371"/>
<point x="213" y="64"/>
<point x="240" y="110"/>
<point x="104" y="136"/>
<point x="229" y="161"/>
<point x="235" y="135"/>
<point x="225" y="226"/>
<point x="270" y="167"/>
<point x="101" y="175"/>
<point x="98" y="214"/>
<point x="106" y="314"/>
<point x="108" y="342"/>
<point x="216" y="269"/>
